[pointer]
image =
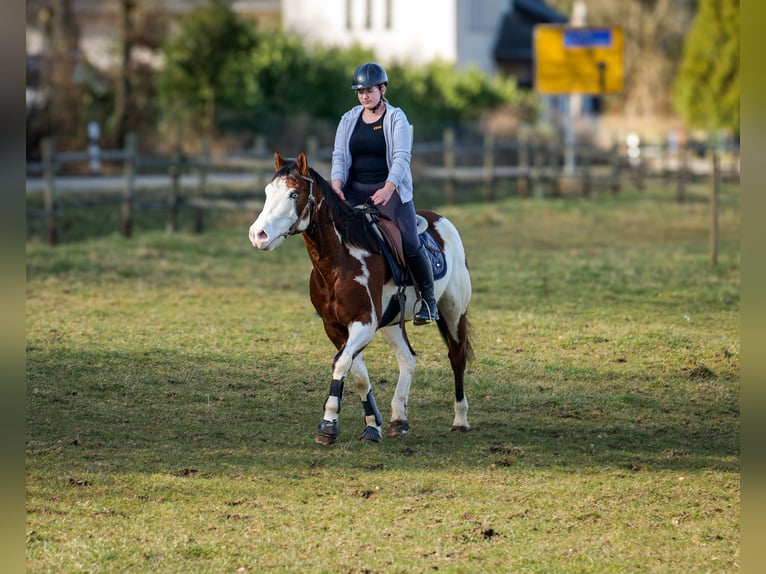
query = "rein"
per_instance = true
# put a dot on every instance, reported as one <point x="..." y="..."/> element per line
<point x="368" y="209"/>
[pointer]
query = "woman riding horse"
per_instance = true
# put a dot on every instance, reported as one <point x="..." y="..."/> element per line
<point x="371" y="164"/>
<point x="353" y="290"/>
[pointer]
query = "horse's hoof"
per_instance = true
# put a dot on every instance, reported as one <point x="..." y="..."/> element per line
<point x="398" y="428"/>
<point x="460" y="428"/>
<point x="371" y="434"/>
<point x="327" y="432"/>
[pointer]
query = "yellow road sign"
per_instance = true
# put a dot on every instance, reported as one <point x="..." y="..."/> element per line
<point x="573" y="59"/>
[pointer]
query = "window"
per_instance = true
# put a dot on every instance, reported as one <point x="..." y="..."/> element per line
<point x="368" y="16"/>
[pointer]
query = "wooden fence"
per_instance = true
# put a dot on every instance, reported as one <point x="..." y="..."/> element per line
<point x="200" y="183"/>
<point x="539" y="168"/>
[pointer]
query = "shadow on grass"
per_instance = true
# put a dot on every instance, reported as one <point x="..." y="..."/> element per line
<point x="159" y="413"/>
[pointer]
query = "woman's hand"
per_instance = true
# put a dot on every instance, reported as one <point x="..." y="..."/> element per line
<point x="337" y="187"/>
<point x="382" y="196"/>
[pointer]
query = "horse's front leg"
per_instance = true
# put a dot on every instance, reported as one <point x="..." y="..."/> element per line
<point x="359" y="335"/>
<point x="372" y="417"/>
<point x="328" y="430"/>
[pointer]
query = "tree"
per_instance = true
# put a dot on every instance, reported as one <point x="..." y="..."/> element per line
<point x="654" y="32"/>
<point x="271" y="83"/>
<point x="123" y="94"/>
<point x="208" y="55"/>
<point x="64" y="115"/>
<point x="437" y="94"/>
<point x="706" y="91"/>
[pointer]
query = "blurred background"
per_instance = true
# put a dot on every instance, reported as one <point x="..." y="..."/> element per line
<point x="272" y="73"/>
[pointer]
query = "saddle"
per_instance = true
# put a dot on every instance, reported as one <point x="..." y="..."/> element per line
<point x="390" y="240"/>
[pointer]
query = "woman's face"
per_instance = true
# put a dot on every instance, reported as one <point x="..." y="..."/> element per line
<point x="369" y="97"/>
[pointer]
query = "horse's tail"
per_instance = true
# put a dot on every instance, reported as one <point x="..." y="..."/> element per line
<point x="468" y="338"/>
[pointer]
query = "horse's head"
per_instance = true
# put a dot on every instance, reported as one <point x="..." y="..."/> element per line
<point x="288" y="206"/>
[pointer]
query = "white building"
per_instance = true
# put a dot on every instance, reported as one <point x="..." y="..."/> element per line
<point x="493" y="35"/>
<point x="461" y="32"/>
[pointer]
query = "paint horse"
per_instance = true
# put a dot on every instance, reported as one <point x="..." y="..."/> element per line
<point x="354" y="291"/>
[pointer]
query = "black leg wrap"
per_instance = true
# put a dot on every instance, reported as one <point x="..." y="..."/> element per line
<point x="371" y="409"/>
<point x="336" y="390"/>
<point x="329" y="431"/>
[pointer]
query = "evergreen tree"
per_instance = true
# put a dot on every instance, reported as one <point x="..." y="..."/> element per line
<point x="706" y="91"/>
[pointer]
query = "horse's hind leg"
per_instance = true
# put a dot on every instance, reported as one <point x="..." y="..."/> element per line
<point x="458" y="342"/>
<point x="405" y="357"/>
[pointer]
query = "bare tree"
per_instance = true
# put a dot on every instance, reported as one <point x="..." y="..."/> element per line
<point x="654" y="32"/>
<point x="64" y="97"/>
<point x="123" y="108"/>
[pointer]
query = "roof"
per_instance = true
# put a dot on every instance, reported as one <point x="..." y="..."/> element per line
<point x="515" y="40"/>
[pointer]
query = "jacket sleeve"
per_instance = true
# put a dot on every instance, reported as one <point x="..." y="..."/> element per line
<point x="341" y="156"/>
<point x="401" y="149"/>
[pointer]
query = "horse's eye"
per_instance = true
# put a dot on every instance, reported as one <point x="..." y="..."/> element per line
<point x="293" y="195"/>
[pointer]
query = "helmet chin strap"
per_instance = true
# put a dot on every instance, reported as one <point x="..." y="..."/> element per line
<point x="380" y="102"/>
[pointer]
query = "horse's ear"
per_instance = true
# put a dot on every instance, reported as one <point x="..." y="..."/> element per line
<point x="279" y="161"/>
<point x="303" y="165"/>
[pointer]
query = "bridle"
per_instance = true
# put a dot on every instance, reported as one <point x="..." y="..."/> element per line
<point x="309" y="203"/>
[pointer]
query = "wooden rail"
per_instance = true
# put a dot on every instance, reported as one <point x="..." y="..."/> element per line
<point x="236" y="182"/>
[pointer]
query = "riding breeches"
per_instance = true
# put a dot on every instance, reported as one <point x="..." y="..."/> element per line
<point x="402" y="214"/>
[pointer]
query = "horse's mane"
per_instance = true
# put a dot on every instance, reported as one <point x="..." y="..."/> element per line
<point x="352" y="224"/>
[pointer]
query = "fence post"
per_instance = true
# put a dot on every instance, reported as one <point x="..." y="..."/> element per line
<point x="49" y="193"/>
<point x="682" y="169"/>
<point x="199" y="224"/>
<point x="614" y="177"/>
<point x="489" y="166"/>
<point x="259" y="145"/>
<point x="585" y="160"/>
<point x="129" y="169"/>
<point x="665" y="163"/>
<point x="537" y="172"/>
<point x="259" y="149"/>
<point x="449" y="165"/>
<point x="714" y="207"/>
<point x="641" y="172"/>
<point x="523" y="155"/>
<point x="171" y="219"/>
<point x="554" y="149"/>
<point x="312" y="149"/>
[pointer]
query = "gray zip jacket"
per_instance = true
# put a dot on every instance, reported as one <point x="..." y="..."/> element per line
<point x="396" y="130"/>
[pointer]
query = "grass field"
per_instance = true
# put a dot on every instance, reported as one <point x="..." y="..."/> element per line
<point x="174" y="383"/>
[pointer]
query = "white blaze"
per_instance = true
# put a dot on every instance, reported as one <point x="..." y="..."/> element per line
<point x="276" y="217"/>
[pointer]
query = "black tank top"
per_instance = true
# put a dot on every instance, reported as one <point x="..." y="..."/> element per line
<point x="368" y="152"/>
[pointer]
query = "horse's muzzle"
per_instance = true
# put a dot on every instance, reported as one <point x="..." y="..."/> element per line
<point x="258" y="237"/>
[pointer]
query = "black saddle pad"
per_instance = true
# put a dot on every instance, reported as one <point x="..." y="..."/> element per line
<point x="435" y="255"/>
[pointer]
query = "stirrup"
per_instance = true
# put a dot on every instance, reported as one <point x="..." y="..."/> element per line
<point x="424" y="315"/>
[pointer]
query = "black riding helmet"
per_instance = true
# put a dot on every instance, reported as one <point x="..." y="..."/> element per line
<point x="368" y="75"/>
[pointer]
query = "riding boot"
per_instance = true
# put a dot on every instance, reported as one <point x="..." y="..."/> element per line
<point x="423" y="275"/>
